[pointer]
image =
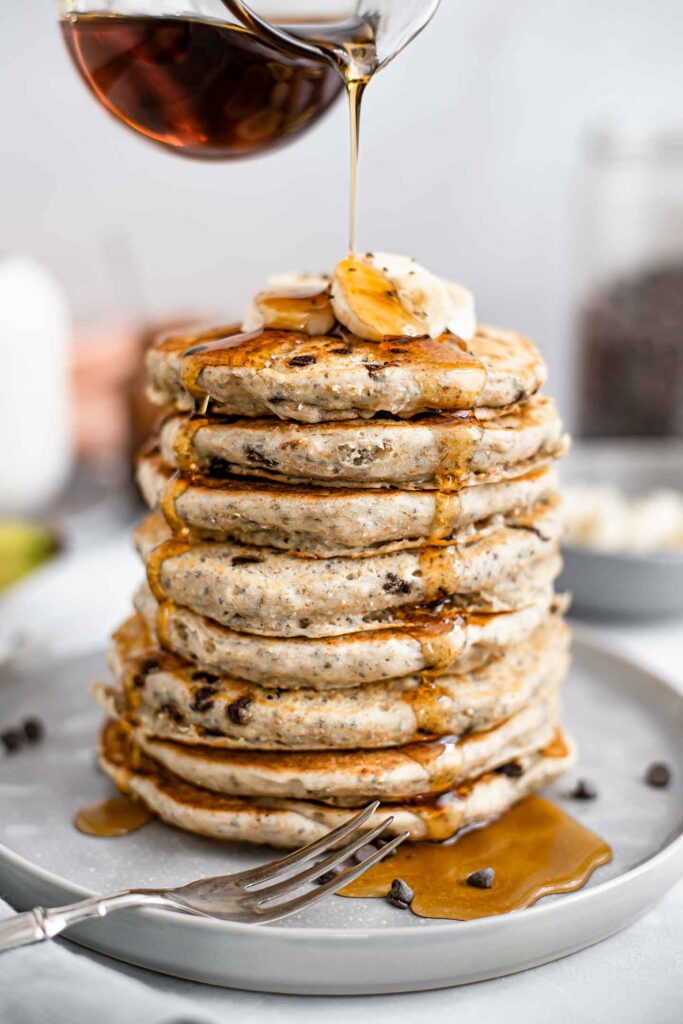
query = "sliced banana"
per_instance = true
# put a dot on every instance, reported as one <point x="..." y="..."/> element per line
<point x="292" y="303"/>
<point x="376" y="296"/>
<point x="365" y="300"/>
<point x="381" y="294"/>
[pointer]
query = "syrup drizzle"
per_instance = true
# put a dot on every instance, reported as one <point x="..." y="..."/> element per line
<point x="535" y="849"/>
<point x="355" y="90"/>
<point x="165" y="612"/>
<point x="155" y="562"/>
<point x="173" y="490"/>
<point x="209" y="353"/>
<point x="183" y="442"/>
<point x="447" y="509"/>
<point x="456" y="452"/>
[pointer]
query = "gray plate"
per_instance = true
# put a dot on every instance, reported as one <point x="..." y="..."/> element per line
<point x="622" y="717"/>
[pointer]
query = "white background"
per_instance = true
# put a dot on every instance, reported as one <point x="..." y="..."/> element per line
<point x="471" y="147"/>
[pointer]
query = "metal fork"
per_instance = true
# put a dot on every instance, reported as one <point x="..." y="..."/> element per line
<point x="251" y="896"/>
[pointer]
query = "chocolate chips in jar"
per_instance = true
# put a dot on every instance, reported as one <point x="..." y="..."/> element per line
<point x="631" y="373"/>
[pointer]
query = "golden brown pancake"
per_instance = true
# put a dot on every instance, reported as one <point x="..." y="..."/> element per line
<point x="284" y="822"/>
<point x="166" y="698"/>
<point x="293" y="376"/>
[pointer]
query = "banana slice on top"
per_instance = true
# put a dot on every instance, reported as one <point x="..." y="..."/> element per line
<point x="382" y="295"/>
<point x="292" y="303"/>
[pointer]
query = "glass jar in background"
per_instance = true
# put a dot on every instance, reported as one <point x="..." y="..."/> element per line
<point x="630" y="271"/>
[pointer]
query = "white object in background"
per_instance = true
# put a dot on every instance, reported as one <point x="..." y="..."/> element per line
<point x="34" y="421"/>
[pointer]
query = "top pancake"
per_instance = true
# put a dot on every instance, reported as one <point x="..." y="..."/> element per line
<point x="293" y="376"/>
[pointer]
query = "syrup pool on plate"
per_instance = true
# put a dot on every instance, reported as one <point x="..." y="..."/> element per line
<point x="535" y="850"/>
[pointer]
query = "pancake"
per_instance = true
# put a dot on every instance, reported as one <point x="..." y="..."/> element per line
<point x="166" y="699"/>
<point x="284" y="822"/>
<point x="439" y="643"/>
<point x="260" y="590"/>
<point x="293" y="376"/>
<point x="437" y="451"/>
<point x="348" y="778"/>
<point x="319" y="521"/>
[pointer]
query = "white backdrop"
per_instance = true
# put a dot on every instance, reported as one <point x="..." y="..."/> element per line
<point x="471" y="145"/>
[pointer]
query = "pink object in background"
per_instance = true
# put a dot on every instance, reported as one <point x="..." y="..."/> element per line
<point x="104" y="359"/>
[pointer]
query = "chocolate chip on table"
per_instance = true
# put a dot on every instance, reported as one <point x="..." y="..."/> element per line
<point x="12" y="740"/>
<point x="658" y="775"/>
<point x="34" y="730"/>
<point x="245" y="560"/>
<point x="303" y="360"/>
<point x="583" y="790"/>
<point x="512" y="769"/>
<point x="238" y="712"/>
<point x="400" y="895"/>
<point x="481" y="879"/>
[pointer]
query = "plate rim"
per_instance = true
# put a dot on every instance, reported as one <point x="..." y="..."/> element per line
<point x="584" y="636"/>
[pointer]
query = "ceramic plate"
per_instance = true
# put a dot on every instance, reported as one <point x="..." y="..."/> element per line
<point x="622" y="717"/>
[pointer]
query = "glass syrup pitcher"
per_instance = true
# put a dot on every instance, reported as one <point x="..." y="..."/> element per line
<point x="222" y="79"/>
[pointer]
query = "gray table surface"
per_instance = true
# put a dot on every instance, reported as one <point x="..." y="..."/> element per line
<point x="635" y="977"/>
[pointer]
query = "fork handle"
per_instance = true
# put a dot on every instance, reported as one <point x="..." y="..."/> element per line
<point x="39" y="924"/>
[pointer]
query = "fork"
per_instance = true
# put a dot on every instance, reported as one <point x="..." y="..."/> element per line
<point x="253" y="896"/>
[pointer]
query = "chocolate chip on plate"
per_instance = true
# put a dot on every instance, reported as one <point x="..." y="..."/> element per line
<point x="400" y="895"/>
<point x="380" y="844"/>
<point x="364" y="852"/>
<point x="481" y="879"/>
<point x="583" y="790"/>
<point x="328" y="876"/>
<point x="12" y="740"/>
<point x="34" y="730"/>
<point x="658" y="775"/>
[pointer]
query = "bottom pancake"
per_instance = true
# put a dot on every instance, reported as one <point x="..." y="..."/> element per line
<point x="285" y="822"/>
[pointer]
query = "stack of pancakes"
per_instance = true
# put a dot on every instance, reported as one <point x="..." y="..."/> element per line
<point x="350" y="561"/>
